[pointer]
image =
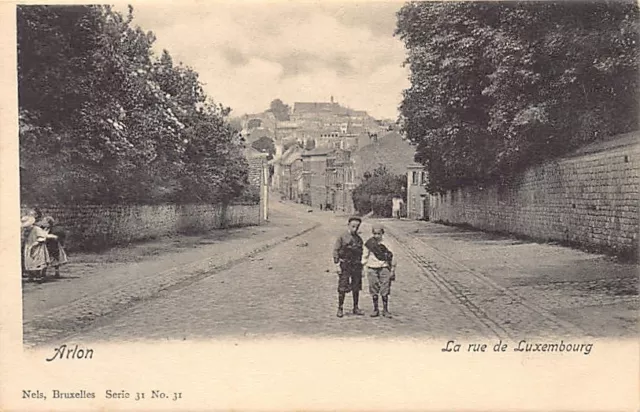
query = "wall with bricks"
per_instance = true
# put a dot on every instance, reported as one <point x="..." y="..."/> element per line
<point x="588" y="198"/>
<point x="95" y="227"/>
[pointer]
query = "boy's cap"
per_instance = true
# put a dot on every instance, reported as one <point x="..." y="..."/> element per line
<point x="356" y="218"/>
<point x="377" y="229"/>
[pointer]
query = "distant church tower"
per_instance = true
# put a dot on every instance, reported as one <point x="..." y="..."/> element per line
<point x="331" y="99"/>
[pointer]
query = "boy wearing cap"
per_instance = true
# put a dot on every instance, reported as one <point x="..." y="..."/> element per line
<point x="347" y="255"/>
<point x="381" y="270"/>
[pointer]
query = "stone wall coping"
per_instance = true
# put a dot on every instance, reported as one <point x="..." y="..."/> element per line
<point x="625" y="140"/>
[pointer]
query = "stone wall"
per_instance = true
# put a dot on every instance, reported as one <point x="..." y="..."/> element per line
<point x="95" y="227"/>
<point x="588" y="198"/>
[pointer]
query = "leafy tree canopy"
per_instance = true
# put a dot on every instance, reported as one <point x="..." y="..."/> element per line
<point x="498" y="86"/>
<point x="103" y="120"/>
<point x="265" y="145"/>
<point x="377" y="189"/>
<point x="280" y="110"/>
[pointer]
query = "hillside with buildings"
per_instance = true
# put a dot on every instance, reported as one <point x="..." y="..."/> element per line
<point x="323" y="149"/>
<point x="314" y="124"/>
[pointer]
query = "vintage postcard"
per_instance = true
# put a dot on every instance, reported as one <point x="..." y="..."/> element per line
<point x="342" y="205"/>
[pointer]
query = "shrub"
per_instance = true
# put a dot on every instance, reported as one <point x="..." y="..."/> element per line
<point x="376" y="191"/>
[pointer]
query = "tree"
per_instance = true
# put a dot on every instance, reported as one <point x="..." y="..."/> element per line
<point x="496" y="87"/>
<point x="254" y="124"/>
<point x="212" y="179"/>
<point x="377" y="190"/>
<point x="265" y="145"/>
<point x="235" y="123"/>
<point x="104" y="121"/>
<point x="280" y="110"/>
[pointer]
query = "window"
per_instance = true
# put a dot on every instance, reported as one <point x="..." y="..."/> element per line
<point x="414" y="178"/>
<point x="424" y="178"/>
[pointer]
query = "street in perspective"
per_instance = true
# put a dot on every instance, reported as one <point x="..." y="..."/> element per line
<point x="379" y="172"/>
<point x="278" y="280"/>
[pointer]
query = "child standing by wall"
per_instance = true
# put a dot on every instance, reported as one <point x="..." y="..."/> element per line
<point x="36" y="255"/>
<point x="55" y="245"/>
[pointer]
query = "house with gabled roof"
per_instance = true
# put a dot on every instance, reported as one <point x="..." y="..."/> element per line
<point x="291" y="173"/>
<point x="314" y="176"/>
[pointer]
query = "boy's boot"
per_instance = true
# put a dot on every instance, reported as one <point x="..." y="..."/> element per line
<point x="376" y="312"/>
<point x="340" y="304"/>
<point x="356" y="309"/>
<point x="385" y="307"/>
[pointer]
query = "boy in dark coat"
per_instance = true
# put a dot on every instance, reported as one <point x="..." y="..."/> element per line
<point x="347" y="256"/>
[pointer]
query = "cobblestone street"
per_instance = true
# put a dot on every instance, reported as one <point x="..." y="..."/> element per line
<point x="452" y="283"/>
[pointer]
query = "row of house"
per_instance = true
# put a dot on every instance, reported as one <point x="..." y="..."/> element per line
<point x="324" y="150"/>
<point x="320" y="177"/>
<point x="325" y="178"/>
<point x="315" y="124"/>
<point x="317" y="168"/>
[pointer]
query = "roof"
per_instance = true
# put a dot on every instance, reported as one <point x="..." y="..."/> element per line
<point x="266" y="115"/>
<point x="251" y="153"/>
<point x="320" y="151"/>
<point x="390" y="150"/>
<point x="357" y="129"/>
<point x="286" y="124"/>
<point x="293" y="158"/>
<point x="257" y="134"/>
<point x="291" y="155"/>
<point x="313" y="106"/>
<point x="329" y="129"/>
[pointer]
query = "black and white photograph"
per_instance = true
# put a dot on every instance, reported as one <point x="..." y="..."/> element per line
<point x="361" y="173"/>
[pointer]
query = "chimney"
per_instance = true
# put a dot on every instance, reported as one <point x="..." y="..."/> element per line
<point x="332" y="99"/>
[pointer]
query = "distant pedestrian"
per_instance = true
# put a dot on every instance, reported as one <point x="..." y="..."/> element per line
<point x="347" y="256"/>
<point x="396" y="206"/>
<point x="381" y="270"/>
<point x="55" y="246"/>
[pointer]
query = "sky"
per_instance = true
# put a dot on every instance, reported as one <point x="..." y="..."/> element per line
<point x="251" y="52"/>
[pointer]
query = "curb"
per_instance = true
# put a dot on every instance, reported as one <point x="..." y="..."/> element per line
<point x="80" y="314"/>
